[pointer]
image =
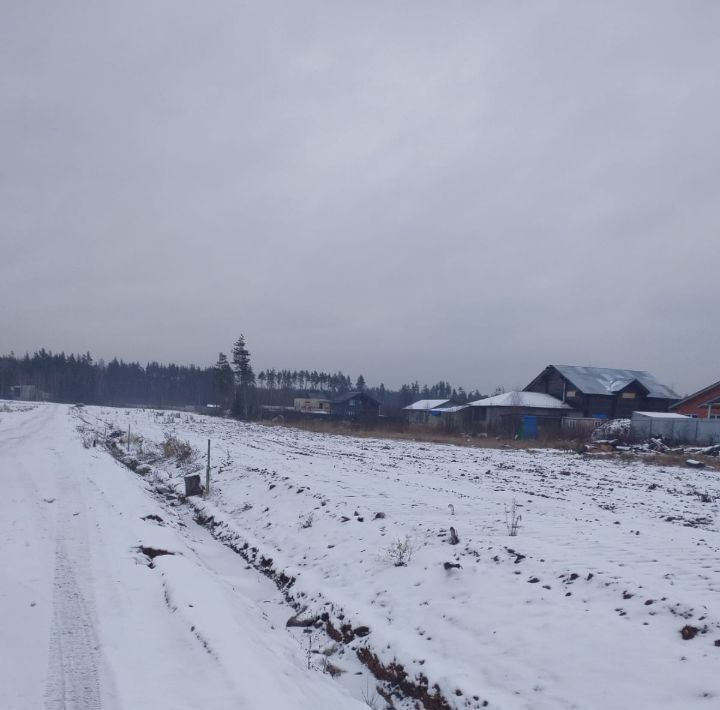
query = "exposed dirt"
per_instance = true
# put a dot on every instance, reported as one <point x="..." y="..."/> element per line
<point x="689" y="632"/>
<point x="399" y="683"/>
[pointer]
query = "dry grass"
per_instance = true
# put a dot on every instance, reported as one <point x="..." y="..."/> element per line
<point x="677" y="460"/>
<point x="420" y="434"/>
<point x="177" y="449"/>
<point x="711" y="462"/>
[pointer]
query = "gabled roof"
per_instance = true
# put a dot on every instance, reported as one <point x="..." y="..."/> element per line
<point x="620" y="385"/>
<point x="609" y="380"/>
<point x="423" y="405"/>
<point x="697" y="394"/>
<point x="528" y="400"/>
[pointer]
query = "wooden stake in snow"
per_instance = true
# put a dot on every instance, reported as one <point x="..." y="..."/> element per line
<point x="207" y="473"/>
<point x="128" y="437"/>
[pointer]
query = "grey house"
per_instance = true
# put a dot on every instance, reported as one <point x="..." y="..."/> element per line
<point x="604" y="392"/>
<point x="421" y="411"/>
<point x="511" y="413"/>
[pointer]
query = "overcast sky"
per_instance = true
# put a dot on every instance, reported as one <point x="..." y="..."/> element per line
<point x="409" y="190"/>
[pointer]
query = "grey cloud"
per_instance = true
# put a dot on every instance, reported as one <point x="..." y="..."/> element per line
<point x="407" y="190"/>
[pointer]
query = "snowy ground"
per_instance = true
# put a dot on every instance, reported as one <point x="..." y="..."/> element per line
<point x="89" y="621"/>
<point x="582" y="609"/>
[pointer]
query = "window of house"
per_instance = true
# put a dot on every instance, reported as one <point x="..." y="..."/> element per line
<point x="628" y="395"/>
<point x="571" y="393"/>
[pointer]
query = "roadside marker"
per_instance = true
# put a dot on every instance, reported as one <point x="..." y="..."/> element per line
<point x="207" y="473"/>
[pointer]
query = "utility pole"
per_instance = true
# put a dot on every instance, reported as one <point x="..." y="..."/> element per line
<point x="207" y="473"/>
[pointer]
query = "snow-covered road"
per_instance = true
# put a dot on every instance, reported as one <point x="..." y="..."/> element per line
<point x="89" y="621"/>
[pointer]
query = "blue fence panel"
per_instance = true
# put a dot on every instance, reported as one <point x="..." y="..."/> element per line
<point x="529" y="427"/>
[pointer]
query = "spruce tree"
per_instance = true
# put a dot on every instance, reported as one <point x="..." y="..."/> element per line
<point x="244" y="379"/>
<point x="223" y="381"/>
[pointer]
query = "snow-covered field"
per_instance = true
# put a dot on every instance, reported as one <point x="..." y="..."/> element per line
<point x="582" y="609"/>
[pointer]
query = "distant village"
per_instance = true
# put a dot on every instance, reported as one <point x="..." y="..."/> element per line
<point x="563" y="401"/>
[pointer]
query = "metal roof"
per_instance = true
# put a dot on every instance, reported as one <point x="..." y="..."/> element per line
<point x="658" y="415"/>
<point x="534" y="400"/>
<point x="423" y="405"/>
<point x="608" y="380"/>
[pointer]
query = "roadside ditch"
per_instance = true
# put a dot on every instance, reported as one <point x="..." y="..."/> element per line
<point x="397" y="688"/>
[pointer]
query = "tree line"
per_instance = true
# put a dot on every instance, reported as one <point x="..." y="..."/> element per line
<point x="228" y="385"/>
<point x="79" y="378"/>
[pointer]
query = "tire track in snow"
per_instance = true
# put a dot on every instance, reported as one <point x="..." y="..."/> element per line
<point x="73" y="679"/>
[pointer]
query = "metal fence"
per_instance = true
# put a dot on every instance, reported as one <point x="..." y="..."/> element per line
<point x="704" y="432"/>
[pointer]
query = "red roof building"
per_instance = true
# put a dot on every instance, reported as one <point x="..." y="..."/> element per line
<point x="704" y="404"/>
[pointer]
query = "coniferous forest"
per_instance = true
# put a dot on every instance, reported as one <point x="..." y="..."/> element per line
<point x="228" y="384"/>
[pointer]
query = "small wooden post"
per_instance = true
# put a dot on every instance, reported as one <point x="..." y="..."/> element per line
<point x="207" y="473"/>
<point x="128" y="437"/>
<point x="192" y="485"/>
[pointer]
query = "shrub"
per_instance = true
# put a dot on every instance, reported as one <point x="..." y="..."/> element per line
<point x="400" y="552"/>
<point x="175" y="448"/>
